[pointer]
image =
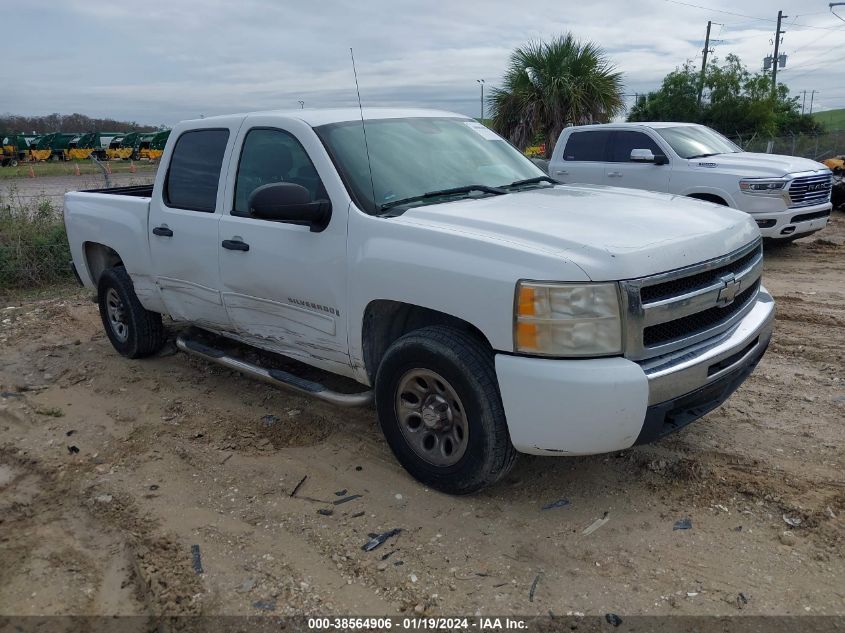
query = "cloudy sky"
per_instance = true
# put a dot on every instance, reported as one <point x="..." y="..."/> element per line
<point x="159" y="61"/>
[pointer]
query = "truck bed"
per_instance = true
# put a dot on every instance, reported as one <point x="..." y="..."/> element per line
<point x="138" y="191"/>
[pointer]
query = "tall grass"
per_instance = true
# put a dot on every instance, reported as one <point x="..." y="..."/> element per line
<point x="33" y="244"/>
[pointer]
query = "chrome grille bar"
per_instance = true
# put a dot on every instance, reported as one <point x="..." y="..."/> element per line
<point x="804" y="191"/>
<point x="696" y="290"/>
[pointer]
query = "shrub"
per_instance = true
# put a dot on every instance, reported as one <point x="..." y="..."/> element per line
<point x="33" y="244"/>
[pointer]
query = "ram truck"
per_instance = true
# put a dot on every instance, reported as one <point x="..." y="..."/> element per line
<point x="483" y="308"/>
<point x="788" y="197"/>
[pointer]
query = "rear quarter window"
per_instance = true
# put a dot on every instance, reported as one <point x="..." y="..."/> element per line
<point x="194" y="171"/>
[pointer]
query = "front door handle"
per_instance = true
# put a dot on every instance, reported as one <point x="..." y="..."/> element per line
<point x="235" y="245"/>
<point x="162" y="231"/>
<point x="561" y="172"/>
<point x="614" y="174"/>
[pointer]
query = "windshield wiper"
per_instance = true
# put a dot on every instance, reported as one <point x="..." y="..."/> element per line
<point x="533" y="181"/>
<point x="703" y="155"/>
<point x="443" y="192"/>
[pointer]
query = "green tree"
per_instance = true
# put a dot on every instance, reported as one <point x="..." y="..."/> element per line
<point x="736" y="101"/>
<point x="549" y="85"/>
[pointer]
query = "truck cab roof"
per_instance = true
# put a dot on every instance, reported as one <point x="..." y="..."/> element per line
<point x="324" y="116"/>
<point x="634" y="124"/>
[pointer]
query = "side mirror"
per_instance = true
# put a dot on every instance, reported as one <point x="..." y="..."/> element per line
<point x="646" y="156"/>
<point x="289" y="202"/>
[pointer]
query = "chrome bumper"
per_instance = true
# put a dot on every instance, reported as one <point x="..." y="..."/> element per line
<point x="686" y="370"/>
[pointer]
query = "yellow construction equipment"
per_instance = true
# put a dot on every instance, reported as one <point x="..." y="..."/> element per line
<point x="836" y="164"/>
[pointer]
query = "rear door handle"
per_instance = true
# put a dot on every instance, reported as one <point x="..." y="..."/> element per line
<point x="235" y="245"/>
<point x="162" y="231"/>
<point x="561" y="172"/>
<point x="614" y="174"/>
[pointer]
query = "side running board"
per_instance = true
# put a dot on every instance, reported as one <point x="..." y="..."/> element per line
<point x="275" y="377"/>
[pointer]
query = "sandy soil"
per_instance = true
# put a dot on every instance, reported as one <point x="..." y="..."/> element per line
<point x="111" y="470"/>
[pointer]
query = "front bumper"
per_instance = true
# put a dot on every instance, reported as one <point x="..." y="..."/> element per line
<point x="792" y="222"/>
<point x="590" y="406"/>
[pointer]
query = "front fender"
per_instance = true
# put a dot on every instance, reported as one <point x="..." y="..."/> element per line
<point x="467" y="276"/>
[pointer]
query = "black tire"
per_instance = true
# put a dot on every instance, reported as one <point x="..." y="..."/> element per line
<point x="467" y="366"/>
<point x="142" y="332"/>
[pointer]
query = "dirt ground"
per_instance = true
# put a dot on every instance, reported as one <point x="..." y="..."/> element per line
<point x="112" y="470"/>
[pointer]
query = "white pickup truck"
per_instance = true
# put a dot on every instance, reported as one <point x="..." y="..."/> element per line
<point x="485" y="309"/>
<point x="788" y="197"/>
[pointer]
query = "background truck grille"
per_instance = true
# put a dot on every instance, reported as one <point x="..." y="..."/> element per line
<point x="809" y="190"/>
<point x="668" y="312"/>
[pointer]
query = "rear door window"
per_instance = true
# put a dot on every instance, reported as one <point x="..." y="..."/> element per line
<point x="586" y="146"/>
<point x="625" y="141"/>
<point x="194" y="172"/>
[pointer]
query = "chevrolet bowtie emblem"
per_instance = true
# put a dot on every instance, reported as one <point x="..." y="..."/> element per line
<point x="728" y="292"/>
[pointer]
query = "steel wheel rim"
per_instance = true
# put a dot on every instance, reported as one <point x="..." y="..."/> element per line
<point x="116" y="315"/>
<point x="431" y="417"/>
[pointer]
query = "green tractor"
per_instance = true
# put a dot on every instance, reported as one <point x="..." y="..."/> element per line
<point x="53" y="147"/>
<point x="92" y="143"/>
<point x="15" y="149"/>
<point x="150" y="146"/>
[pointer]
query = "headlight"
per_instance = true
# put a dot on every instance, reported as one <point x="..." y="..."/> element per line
<point x="762" y="186"/>
<point x="567" y="319"/>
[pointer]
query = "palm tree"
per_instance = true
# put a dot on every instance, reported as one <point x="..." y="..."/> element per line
<point x="549" y="85"/>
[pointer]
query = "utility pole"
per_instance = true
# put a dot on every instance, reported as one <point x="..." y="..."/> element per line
<point x="812" y="94"/>
<point x="804" y="102"/>
<point x="704" y="61"/>
<point x="481" y="81"/>
<point x="778" y="33"/>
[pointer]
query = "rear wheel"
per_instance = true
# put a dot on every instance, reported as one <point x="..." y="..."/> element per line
<point x="441" y="412"/>
<point x="134" y="331"/>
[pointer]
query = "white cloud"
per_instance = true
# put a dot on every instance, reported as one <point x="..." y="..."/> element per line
<point x="161" y="60"/>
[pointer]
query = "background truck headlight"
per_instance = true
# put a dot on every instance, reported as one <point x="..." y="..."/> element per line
<point x="762" y="186"/>
<point x="567" y="319"/>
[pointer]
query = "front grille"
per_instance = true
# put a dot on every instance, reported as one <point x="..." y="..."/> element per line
<point x="803" y="217"/>
<point x="805" y="191"/>
<point x="684" y="285"/>
<point x="671" y="311"/>
<point x="698" y="322"/>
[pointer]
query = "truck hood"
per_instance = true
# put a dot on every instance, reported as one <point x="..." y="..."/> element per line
<point x="752" y="165"/>
<point x="610" y="233"/>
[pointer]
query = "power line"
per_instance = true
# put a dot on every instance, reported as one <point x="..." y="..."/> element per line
<point x="752" y="17"/>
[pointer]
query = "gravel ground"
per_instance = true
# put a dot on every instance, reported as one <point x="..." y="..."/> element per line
<point x="111" y="470"/>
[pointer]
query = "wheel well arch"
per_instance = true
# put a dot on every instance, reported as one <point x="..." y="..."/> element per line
<point x="385" y="321"/>
<point x="709" y="197"/>
<point x="99" y="257"/>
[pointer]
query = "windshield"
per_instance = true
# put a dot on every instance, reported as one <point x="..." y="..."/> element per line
<point x="697" y="141"/>
<point x="414" y="156"/>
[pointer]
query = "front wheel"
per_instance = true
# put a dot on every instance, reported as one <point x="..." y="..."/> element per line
<point x="441" y="412"/>
<point x="134" y="331"/>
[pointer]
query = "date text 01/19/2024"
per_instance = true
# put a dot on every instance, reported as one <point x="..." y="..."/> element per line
<point x="417" y="624"/>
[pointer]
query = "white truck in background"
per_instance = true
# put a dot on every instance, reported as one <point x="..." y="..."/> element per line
<point x="486" y="309"/>
<point x="788" y="197"/>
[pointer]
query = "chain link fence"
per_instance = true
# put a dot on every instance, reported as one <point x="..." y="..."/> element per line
<point x="814" y="146"/>
<point x="33" y="244"/>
